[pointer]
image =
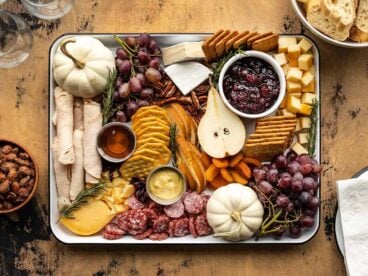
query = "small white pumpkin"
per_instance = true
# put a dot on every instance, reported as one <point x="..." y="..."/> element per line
<point x="234" y="212"/>
<point x="81" y="66"/>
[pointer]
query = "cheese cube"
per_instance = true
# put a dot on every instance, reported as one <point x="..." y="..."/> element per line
<point x="293" y="104"/>
<point x="284" y="42"/>
<point x="304" y="44"/>
<point x="302" y="138"/>
<point x="293" y="87"/>
<point x="296" y="95"/>
<point x="312" y="70"/>
<point x="309" y="88"/>
<point x="284" y="112"/>
<point x="294" y="74"/>
<point x="305" y="122"/>
<point x="286" y="68"/>
<point x="293" y="51"/>
<point x="298" y="148"/>
<point x="305" y="109"/>
<point x="305" y="61"/>
<point x="308" y="98"/>
<point x="298" y="127"/>
<point x="280" y="58"/>
<point x="293" y="62"/>
<point x="283" y="103"/>
<point x="307" y="78"/>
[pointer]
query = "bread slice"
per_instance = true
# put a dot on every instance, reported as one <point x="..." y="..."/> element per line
<point x="362" y="16"/>
<point x="324" y="23"/>
<point x="342" y="11"/>
<point x="357" y="35"/>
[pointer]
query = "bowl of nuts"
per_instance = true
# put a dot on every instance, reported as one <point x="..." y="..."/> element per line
<point x="18" y="176"/>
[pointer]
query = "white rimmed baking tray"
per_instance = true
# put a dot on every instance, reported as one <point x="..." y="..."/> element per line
<point x="65" y="236"/>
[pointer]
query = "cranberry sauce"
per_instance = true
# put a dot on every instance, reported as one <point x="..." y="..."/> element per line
<point x="251" y="85"/>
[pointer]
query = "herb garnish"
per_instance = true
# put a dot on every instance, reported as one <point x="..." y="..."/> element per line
<point x="313" y="128"/>
<point x="107" y="105"/>
<point x="172" y="143"/>
<point x="218" y="67"/>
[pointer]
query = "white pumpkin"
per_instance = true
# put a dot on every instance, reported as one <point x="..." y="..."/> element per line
<point x="81" y="66"/>
<point x="234" y="212"/>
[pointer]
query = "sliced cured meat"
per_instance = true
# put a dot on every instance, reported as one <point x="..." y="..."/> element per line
<point x="134" y="203"/>
<point x="159" y="236"/>
<point x="201" y="225"/>
<point x="109" y="236"/>
<point x="133" y="221"/>
<point x="192" y="228"/>
<point x="175" y="210"/>
<point x="150" y="213"/>
<point x="193" y="203"/>
<point x="181" y="227"/>
<point x="155" y="207"/>
<point x="144" y="235"/>
<point x="161" y="224"/>
<point x="205" y="197"/>
<point x="171" y="228"/>
<point x="114" y="229"/>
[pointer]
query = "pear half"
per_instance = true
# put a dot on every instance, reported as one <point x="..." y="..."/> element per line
<point x="220" y="131"/>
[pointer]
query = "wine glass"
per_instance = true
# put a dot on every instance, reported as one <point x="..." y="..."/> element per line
<point x="48" y="9"/>
<point x="15" y="40"/>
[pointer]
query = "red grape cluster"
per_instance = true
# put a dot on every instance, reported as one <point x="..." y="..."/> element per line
<point x="138" y="62"/>
<point x="288" y="188"/>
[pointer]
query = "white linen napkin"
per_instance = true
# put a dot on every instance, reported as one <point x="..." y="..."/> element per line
<point x="353" y="205"/>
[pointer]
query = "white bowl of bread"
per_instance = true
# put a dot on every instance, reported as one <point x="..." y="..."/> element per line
<point x="339" y="22"/>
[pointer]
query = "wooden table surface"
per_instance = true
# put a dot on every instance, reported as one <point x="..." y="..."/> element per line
<point x="26" y="244"/>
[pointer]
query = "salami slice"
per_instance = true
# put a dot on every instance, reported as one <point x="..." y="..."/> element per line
<point x="201" y="225"/>
<point x="193" y="203"/>
<point x="159" y="236"/>
<point x="205" y="197"/>
<point x="109" y="236"/>
<point x="175" y="210"/>
<point x="114" y="229"/>
<point x="151" y="214"/>
<point x="161" y="224"/>
<point x="192" y="228"/>
<point x="144" y="235"/>
<point x="171" y="228"/>
<point x="181" y="227"/>
<point x="134" y="203"/>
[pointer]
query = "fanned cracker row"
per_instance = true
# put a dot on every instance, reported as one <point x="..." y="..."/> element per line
<point x="223" y="41"/>
<point x="272" y="136"/>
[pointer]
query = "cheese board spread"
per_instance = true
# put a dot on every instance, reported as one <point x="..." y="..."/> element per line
<point x="184" y="138"/>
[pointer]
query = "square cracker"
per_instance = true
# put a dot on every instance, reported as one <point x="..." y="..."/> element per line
<point x="243" y="40"/>
<point x="269" y="135"/>
<point x="268" y="123"/>
<point x="269" y="139"/>
<point x="256" y="37"/>
<point x="277" y="127"/>
<point x="230" y="42"/>
<point x="277" y="118"/>
<point x="212" y="45"/>
<point x="220" y="46"/>
<point x="266" y="44"/>
<point x="206" y="44"/>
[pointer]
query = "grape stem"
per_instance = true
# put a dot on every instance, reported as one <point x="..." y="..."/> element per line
<point x="125" y="46"/>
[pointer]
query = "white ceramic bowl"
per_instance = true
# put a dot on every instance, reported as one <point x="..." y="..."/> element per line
<point x="299" y="10"/>
<point x="275" y="65"/>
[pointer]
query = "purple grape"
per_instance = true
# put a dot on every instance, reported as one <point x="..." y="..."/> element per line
<point x="308" y="184"/>
<point x="304" y="159"/>
<point x="142" y="103"/>
<point x="291" y="156"/>
<point x="120" y="53"/>
<point x="131" y="108"/>
<point x="124" y="91"/>
<point x="307" y="221"/>
<point x="143" y="57"/>
<point x="309" y="212"/>
<point x="152" y="46"/>
<point x="289" y="207"/>
<point x="147" y="94"/>
<point x="143" y="39"/>
<point x="313" y="203"/>
<point x="317" y="168"/>
<point x="293" y="167"/>
<point x="121" y="117"/>
<point x="282" y="201"/>
<point x="272" y="175"/>
<point x="154" y="63"/>
<point x="304" y="198"/>
<point x="118" y="61"/>
<point x="265" y="167"/>
<point x="135" y="85"/>
<point x="259" y="174"/>
<point x="141" y="78"/>
<point x="285" y="174"/>
<point x="296" y="186"/>
<point x="295" y="232"/>
<point x="265" y="187"/>
<point x="131" y="41"/>
<point x="125" y="66"/>
<point x="298" y="176"/>
<point x="152" y="75"/>
<point x="119" y="82"/>
<point x="306" y="168"/>
<point x="281" y="162"/>
<point x="284" y="182"/>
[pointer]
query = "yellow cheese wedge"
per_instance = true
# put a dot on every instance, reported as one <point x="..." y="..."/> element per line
<point x="280" y="58"/>
<point x="308" y="98"/>
<point x="309" y="88"/>
<point x="284" y="42"/>
<point x="286" y="68"/>
<point x="299" y="149"/>
<point x="293" y="62"/>
<point x="305" y="122"/>
<point x="307" y="79"/>
<point x="293" y="51"/>
<point x="302" y="138"/>
<point x="304" y="44"/>
<point x="89" y="219"/>
<point x="305" y="109"/>
<point x="293" y="87"/>
<point x="293" y="104"/>
<point x="294" y="74"/>
<point x="305" y="61"/>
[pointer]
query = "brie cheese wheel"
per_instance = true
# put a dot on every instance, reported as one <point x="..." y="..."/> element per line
<point x="182" y="52"/>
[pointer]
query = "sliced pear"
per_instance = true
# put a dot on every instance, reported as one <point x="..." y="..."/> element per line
<point x="178" y="120"/>
<point x="220" y="131"/>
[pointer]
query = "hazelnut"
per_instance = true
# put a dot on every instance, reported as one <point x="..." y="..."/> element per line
<point x="11" y="156"/>
<point x="11" y="197"/>
<point x="16" y="150"/>
<point x="12" y="174"/>
<point x="24" y="155"/>
<point x="15" y="186"/>
<point x="23" y="193"/>
<point x="7" y="149"/>
<point x="2" y="176"/>
<point x="23" y="170"/>
<point x="4" y="187"/>
<point x="22" y="162"/>
<point x="24" y="180"/>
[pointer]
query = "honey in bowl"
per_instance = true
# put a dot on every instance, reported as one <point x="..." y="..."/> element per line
<point x="116" y="142"/>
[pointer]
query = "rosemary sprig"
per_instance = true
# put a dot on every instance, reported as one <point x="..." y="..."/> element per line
<point x="173" y="144"/>
<point x="107" y="106"/>
<point x="313" y="128"/>
<point x="82" y="199"/>
<point x="218" y="67"/>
